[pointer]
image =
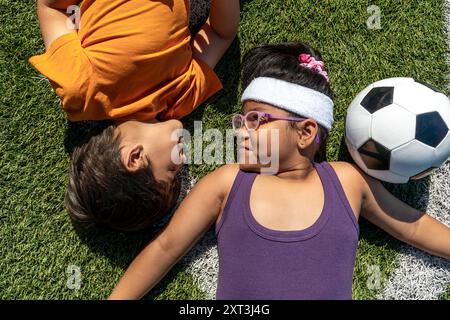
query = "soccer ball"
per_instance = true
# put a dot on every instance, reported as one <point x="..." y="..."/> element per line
<point x="398" y="129"/>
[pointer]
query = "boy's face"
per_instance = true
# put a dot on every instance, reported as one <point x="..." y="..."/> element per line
<point x="157" y="142"/>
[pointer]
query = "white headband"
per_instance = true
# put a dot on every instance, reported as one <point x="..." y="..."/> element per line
<point x="291" y="97"/>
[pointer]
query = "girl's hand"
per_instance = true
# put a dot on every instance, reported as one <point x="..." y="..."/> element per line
<point x="403" y="222"/>
<point x="196" y="214"/>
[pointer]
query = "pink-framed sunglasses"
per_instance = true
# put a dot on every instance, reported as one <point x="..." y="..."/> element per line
<point x="252" y="120"/>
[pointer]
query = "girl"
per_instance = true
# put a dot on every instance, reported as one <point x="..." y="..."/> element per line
<point x="294" y="234"/>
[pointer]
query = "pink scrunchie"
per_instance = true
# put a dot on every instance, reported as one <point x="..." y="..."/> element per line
<point x="311" y="63"/>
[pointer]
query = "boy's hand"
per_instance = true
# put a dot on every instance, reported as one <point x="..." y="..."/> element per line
<point x="213" y="40"/>
<point x="53" y="19"/>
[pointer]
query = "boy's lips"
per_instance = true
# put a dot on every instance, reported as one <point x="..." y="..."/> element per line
<point x="181" y="146"/>
<point x="180" y="149"/>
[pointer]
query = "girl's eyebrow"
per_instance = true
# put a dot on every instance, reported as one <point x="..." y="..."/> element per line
<point x="256" y="108"/>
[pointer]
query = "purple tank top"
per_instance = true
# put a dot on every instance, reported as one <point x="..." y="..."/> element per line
<point x="259" y="263"/>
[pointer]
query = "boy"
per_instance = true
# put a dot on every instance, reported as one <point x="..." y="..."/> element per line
<point x="133" y="62"/>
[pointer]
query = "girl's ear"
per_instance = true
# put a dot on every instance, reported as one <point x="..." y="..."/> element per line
<point x="307" y="131"/>
<point x="135" y="158"/>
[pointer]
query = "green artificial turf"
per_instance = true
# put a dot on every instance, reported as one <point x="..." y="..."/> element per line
<point x="37" y="241"/>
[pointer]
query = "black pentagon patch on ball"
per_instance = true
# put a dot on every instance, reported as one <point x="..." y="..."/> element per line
<point x="430" y="128"/>
<point x="374" y="155"/>
<point x="429" y="86"/>
<point x="378" y="98"/>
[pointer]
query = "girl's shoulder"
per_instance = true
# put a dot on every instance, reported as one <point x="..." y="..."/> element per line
<point x="223" y="178"/>
<point x="227" y="172"/>
<point x="352" y="180"/>
<point x="348" y="172"/>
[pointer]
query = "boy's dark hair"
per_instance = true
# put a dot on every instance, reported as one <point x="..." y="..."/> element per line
<point x="280" y="61"/>
<point x="102" y="191"/>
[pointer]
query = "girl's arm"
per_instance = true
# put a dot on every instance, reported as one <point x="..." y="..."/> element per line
<point x="400" y="220"/>
<point x="213" y="40"/>
<point x="193" y="218"/>
<point x="53" y="19"/>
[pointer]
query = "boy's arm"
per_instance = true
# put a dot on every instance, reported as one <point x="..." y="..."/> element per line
<point x="192" y="219"/>
<point x="53" y="19"/>
<point x="214" y="38"/>
<point x="400" y="220"/>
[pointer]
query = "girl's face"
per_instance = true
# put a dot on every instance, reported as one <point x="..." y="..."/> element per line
<point x="276" y="145"/>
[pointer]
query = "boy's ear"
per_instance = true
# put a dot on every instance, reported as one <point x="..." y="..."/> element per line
<point x="307" y="131"/>
<point x="135" y="158"/>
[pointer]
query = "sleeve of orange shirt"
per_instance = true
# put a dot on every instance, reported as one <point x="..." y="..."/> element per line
<point x="131" y="59"/>
<point x="68" y="70"/>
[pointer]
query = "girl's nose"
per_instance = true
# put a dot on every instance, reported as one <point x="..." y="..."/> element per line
<point x="243" y="133"/>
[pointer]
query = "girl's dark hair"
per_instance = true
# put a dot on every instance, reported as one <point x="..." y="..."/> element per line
<point x="280" y="61"/>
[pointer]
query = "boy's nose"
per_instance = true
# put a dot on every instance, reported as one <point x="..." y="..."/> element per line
<point x="177" y="124"/>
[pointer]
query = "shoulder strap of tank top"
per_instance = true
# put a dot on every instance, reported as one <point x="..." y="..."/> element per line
<point x="242" y="178"/>
<point x="340" y="191"/>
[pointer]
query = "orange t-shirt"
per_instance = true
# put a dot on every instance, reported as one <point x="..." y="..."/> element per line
<point x="130" y="60"/>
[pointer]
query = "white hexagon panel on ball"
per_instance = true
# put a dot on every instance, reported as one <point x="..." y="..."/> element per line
<point x="357" y="125"/>
<point x="411" y="158"/>
<point x="392" y="82"/>
<point x="393" y="126"/>
<point x="442" y="152"/>
<point x="421" y="98"/>
<point x="388" y="176"/>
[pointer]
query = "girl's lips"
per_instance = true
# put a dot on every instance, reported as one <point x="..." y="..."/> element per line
<point x="242" y="148"/>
